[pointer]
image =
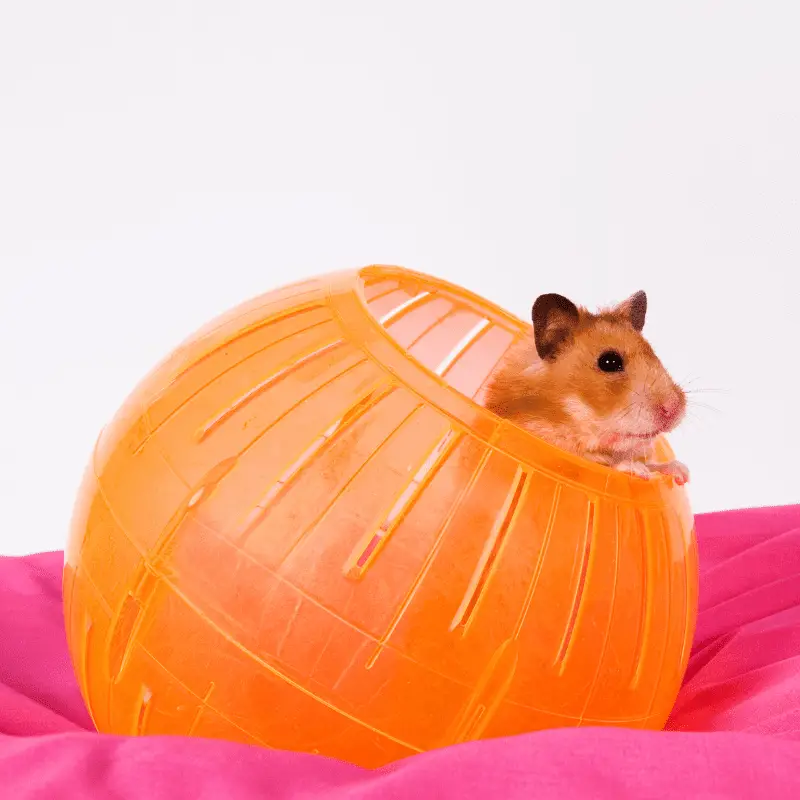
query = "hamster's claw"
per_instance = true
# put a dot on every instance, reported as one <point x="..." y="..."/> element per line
<point x="636" y="468"/>
<point x="677" y="470"/>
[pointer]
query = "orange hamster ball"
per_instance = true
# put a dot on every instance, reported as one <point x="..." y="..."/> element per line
<point x="303" y="531"/>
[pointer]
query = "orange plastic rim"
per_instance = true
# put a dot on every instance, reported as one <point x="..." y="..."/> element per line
<point x="303" y="531"/>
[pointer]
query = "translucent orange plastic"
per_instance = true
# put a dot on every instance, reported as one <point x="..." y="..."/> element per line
<point x="302" y="531"/>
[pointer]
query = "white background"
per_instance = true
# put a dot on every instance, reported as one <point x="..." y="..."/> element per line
<point x="161" y="161"/>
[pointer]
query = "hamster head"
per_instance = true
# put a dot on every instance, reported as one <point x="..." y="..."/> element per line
<point x="613" y="389"/>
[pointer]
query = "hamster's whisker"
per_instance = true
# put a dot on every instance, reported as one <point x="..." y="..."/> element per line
<point x="706" y="391"/>
<point x="627" y="410"/>
<point x="688" y="388"/>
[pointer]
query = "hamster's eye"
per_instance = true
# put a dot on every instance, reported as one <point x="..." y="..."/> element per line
<point x="611" y="361"/>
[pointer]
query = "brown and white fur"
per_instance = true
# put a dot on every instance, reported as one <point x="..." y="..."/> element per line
<point x="553" y="385"/>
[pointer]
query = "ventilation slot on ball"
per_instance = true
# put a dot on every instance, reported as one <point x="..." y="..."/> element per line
<point x="256" y="328"/>
<point x="315" y="322"/>
<point x="140" y="724"/>
<point x="537" y="570"/>
<point x="344" y="370"/>
<point x="471" y="372"/>
<point x="260" y="388"/>
<point x="326" y="439"/>
<point x="506" y="518"/>
<point x="461" y="346"/>
<point x="398" y="310"/>
<point x="430" y="558"/>
<point x="86" y="676"/>
<point x="364" y="554"/>
<point x="392" y="302"/>
<point x="583" y="568"/>
<point x="123" y="636"/>
<point x="640" y="533"/>
<point x="161" y="551"/>
<point x="409" y="328"/>
<point x="332" y="502"/>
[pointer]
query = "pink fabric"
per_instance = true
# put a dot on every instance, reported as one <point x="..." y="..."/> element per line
<point x="735" y="729"/>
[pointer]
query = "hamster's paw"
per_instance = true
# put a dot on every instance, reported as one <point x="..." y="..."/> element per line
<point x="636" y="468"/>
<point x="677" y="470"/>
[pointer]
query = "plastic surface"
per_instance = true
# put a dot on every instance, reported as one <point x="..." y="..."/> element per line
<point x="302" y="531"/>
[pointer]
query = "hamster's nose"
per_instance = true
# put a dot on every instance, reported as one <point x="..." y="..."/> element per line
<point x="664" y="413"/>
<point x="668" y="412"/>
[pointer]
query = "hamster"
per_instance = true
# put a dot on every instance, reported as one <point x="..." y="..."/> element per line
<point x="590" y="383"/>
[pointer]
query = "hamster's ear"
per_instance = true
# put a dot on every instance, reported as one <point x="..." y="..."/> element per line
<point x="634" y="309"/>
<point x="554" y="321"/>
